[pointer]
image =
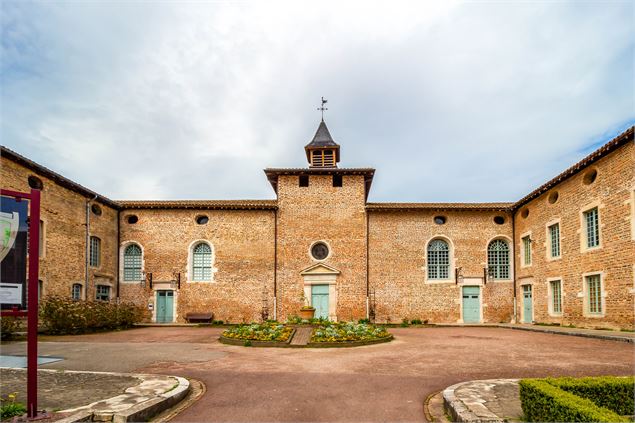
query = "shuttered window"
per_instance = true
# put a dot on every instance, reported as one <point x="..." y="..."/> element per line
<point x="132" y="259"/>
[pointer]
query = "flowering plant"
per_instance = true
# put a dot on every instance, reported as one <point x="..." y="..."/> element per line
<point x="348" y="331"/>
<point x="268" y="331"/>
<point x="9" y="407"/>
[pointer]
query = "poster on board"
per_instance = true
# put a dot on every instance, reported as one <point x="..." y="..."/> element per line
<point x="13" y="246"/>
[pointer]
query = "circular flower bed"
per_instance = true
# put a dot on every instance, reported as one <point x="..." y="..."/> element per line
<point x="348" y="331"/>
<point x="268" y="331"/>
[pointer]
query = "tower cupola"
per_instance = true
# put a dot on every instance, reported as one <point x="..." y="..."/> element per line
<point x="322" y="151"/>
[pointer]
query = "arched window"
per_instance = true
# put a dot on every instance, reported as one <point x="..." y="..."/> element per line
<point x="76" y="292"/>
<point x="438" y="259"/>
<point x="132" y="258"/>
<point x="202" y="262"/>
<point x="498" y="259"/>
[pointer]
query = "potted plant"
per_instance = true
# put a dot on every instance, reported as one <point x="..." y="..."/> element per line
<point x="307" y="311"/>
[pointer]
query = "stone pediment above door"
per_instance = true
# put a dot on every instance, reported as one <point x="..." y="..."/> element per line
<point x="319" y="269"/>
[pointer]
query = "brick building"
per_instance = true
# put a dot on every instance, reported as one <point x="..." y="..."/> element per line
<point x="565" y="253"/>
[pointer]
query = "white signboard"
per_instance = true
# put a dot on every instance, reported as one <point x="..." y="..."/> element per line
<point x="10" y="293"/>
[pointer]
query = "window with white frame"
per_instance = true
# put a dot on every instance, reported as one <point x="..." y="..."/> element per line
<point x="592" y="227"/>
<point x="526" y="250"/>
<point x="594" y="294"/>
<point x="438" y="259"/>
<point x="202" y="262"/>
<point x="132" y="259"/>
<point x="102" y="293"/>
<point x="76" y="291"/>
<point x="498" y="259"/>
<point x="556" y="296"/>
<point x="554" y="240"/>
<point x="95" y="251"/>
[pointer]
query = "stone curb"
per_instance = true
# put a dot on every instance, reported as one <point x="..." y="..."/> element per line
<point x="572" y="333"/>
<point x="143" y="410"/>
<point x="459" y="411"/>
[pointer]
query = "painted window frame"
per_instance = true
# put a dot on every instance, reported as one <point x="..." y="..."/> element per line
<point x="81" y="291"/>
<point x="551" y="297"/>
<point x="94" y="252"/>
<point x="586" y="295"/>
<point x="98" y="294"/>
<point x="549" y="240"/>
<point x="190" y="262"/>
<point x="510" y="261"/>
<point x="451" y="261"/>
<point x="583" y="230"/>
<point x="524" y="247"/>
<point x="449" y="277"/>
<point x="122" y="259"/>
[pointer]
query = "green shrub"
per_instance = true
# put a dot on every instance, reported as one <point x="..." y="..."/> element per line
<point x="544" y="402"/>
<point x="8" y="326"/>
<point x="415" y="321"/>
<point x="348" y="331"/>
<point x="9" y="407"/>
<point x="614" y="393"/>
<point x="405" y="323"/>
<point x="61" y="315"/>
<point x="365" y="321"/>
<point x="271" y="331"/>
<point x="294" y="320"/>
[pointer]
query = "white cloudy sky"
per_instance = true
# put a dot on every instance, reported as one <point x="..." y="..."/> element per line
<point x="470" y="101"/>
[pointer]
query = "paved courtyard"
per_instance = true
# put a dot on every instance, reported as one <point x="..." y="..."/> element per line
<point x="385" y="382"/>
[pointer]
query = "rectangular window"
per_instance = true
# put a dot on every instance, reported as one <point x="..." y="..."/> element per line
<point x="102" y="293"/>
<point x="592" y="228"/>
<point x="556" y="297"/>
<point x="554" y="238"/>
<point x="76" y="293"/>
<point x="527" y="250"/>
<point x="41" y="246"/>
<point x="95" y="253"/>
<point x="337" y="180"/>
<point x="594" y="294"/>
<point x="304" y="180"/>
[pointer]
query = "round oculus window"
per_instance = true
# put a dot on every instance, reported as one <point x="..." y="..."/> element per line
<point x="132" y="219"/>
<point x="439" y="220"/>
<point x="35" y="182"/>
<point x="202" y="219"/>
<point x="499" y="220"/>
<point x="590" y="177"/>
<point x="553" y="197"/>
<point x="96" y="209"/>
<point x="524" y="213"/>
<point x="319" y="251"/>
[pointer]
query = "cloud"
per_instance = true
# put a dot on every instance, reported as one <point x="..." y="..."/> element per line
<point x="449" y="101"/>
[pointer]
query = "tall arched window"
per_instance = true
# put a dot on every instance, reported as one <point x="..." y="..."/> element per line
<point x="498" y="259"/>
<point x="438" y="259"/>
<point x="202" y="262"/>
<point x="132" y="258"/>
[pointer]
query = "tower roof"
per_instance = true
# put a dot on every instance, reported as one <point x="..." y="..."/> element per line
<point x="322" y="138"/>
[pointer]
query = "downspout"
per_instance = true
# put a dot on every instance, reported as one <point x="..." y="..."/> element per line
<point x="87" y="279"/>
<point x="117" y="251"/>
<point x="367" y="269"/>
<point x="514" y="266"/>
<point x="275" y="264"/>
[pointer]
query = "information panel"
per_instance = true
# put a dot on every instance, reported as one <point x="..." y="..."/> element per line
<point x="13" y="246"/>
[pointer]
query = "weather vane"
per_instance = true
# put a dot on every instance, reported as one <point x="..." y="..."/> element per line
<point x="322" y="108"/>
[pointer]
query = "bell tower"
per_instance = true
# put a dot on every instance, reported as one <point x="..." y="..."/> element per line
<point x="322" y="151"/>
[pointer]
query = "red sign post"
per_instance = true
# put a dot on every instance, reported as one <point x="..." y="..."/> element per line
<point x="31" y="312"/>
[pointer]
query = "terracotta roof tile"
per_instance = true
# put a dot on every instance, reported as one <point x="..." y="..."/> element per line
<point x="439" y="206"/>
<point x="201" y="204"/>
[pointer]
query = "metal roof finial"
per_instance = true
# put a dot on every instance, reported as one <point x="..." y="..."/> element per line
<point x="322" y="108"/>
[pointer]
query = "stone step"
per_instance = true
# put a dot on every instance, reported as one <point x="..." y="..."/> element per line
<point x="302" y="336"/>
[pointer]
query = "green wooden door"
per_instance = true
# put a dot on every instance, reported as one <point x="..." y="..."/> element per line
<point x="320" y="300"/>
<point x="165" y="306"/>
<point x="471" y="304"/>
<point x="527" y="304"/>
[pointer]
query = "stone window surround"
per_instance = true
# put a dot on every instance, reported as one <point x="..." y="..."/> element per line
<point x="585" y="295"/>
<point x="82" y="293"/>
<point x="122" y="248"/>
<point x="451" y="260"/>
<point x="550" y="296"/>
<point x="510" y="243"/>
<point x="632" y="201"/>
<point x="582" y="230"/>
<point x="548" y="239"/>
<point x="190" y="261"/>
<point x="311" y="247"/>
<point x="109" y="286"/>
<point x="521" y="249"/>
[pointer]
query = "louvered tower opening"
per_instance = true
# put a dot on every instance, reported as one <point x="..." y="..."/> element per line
<point x="322" y="158"/>
<point x="322" y="151"/>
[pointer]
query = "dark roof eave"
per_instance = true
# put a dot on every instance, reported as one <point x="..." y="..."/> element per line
<point x="56" y="177"/>
<point x="387" y="207"/>
<point x="201" y="205"/>
<point x="609" y="147"/>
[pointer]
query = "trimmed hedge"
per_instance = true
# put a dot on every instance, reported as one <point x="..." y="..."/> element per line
<point x="543" y="402"/>
<point x="614" y="393"/>
<point x="61" y="315"/>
